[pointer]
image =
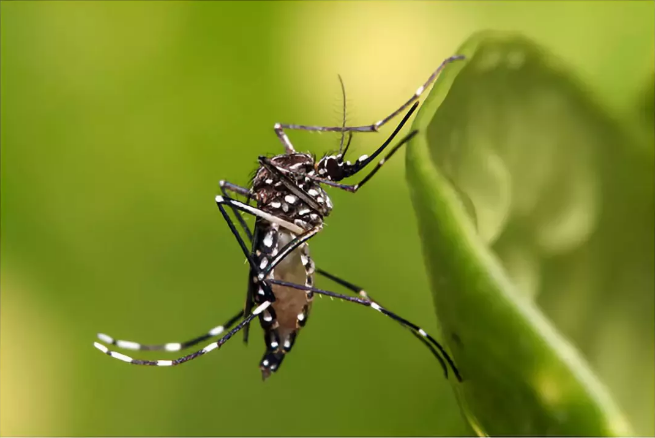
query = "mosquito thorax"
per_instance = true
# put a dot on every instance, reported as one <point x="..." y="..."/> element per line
<point x="274" y="197"/>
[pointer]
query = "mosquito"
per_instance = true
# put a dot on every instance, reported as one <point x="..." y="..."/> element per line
<point x="291" y="205"/>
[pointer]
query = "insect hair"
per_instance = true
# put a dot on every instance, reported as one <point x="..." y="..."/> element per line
<point x="343" y="120"/>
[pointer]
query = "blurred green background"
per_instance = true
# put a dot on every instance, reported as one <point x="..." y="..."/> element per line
<point x="118" y="120"/>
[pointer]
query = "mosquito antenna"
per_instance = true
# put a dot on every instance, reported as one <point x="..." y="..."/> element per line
<point x="343" y="122"/>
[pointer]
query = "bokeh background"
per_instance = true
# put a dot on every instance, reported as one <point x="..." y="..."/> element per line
<point x="118" y="120"/>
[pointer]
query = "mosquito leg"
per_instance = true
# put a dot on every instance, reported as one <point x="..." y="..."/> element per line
<point x="349" y="169"/>
<point x="224" y="200"/>
<point x="279" y="128"/>
<point x="171" y="346"/>
<point x="268" y="292"/>
<point x="181" y="360"/>
<point x="228" y="186"/>
<point x="379" y="308"/>
<point x="279" y="131"/>
<point x="265" y="268"/>
<point x="362" y="293"/>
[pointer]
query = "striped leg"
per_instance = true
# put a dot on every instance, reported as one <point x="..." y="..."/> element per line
<point x="379" y="308"/>
<point x="362" y="293"/>
<point x="170" y="346"/>
<point x="181" y="360"/>
<point x="279" y="128"/>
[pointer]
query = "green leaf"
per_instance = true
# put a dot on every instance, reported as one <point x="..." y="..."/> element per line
<point x="509" y="132"/>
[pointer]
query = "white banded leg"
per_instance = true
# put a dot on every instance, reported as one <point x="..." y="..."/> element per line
<point x="362" y="293"/>
<point x="379" y="308"/>
<point x="181" y="360"/>
<point x="280" y="127"/>
<point x="170" y="346"/>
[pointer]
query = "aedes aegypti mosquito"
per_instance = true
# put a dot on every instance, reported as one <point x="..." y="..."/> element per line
<point x="291" y="207"/>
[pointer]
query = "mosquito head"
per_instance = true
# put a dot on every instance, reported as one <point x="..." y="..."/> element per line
<point x="333" y="168"/>
<point x="330" y="167"/>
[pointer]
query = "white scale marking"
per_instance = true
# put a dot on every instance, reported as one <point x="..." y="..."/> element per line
<point x="263" y="263"/>
<point x="173" y="346"/>
<point x="268" y="317"/>
<point x="105" y="338"/>
<point x="120" y="356"/>
<point x="268" y="240"/>
<point x="290" y="199"/>
<point x="216" y="330"/>
<point x="274" y="344"/>
<point x="376" y="306"/>
<point x="265" y="362"/>
<point x="422" y="332"/>
<point x="319" y="199"/>
<point x="419" y="91"/>
<point x="285" y="208"/>
<point x="276" y="204"/>
<point x="128" y="345"/>
<point x="262" y="214"/>
<point x="301" y="316"/>
<point x="304" y="211"/>
<point x="362" y="158"/>
<point x="261" y="308"/>
<point x="210" y="347"/>
<point x="312" y="192"/>
<point x="164" y="363"/>
<point x="287" y="344"/>
<point x="100" y="347"/>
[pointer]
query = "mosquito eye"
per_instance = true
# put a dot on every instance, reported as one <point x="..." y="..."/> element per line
<point x="332" y="166"/>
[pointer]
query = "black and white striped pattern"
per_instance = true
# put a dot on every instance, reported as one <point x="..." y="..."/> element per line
<point x="170" y="346"/>
<point x="181" y="360"/>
